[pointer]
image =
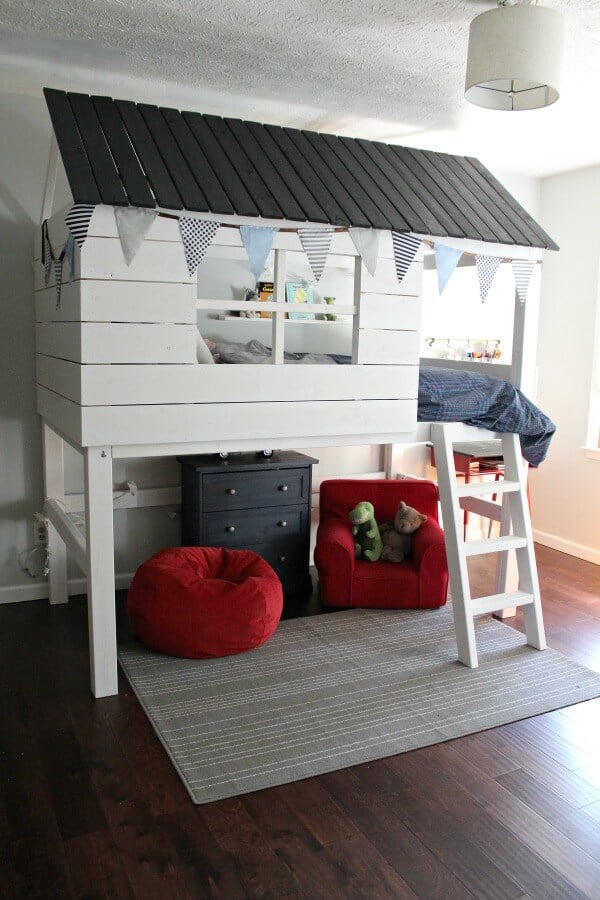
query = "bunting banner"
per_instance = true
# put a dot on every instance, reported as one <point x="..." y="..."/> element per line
<point x="258" y="240"/>
<point x="487" y="266"/>
<point x="47" y="254"/>
<point x="58" y="274"/>
<point x="405" y="250"/>
<point x="133" y="224"/>
<point x="316" y="243"/>
<point x="197" y="236"/>
<point x="70" y="254"/>
<point x="78" y="221"/>
<point x="366" y="241"/>
<point x="522" y="272"/>
<point x="446" y="260"/>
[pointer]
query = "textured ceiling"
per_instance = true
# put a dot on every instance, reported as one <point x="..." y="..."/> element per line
<point x="387" y="70"/>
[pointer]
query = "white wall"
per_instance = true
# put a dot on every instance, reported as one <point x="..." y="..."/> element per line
<point x="566" y="488"/>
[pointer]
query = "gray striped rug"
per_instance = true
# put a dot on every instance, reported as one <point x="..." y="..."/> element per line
<point x="331" y="691"/>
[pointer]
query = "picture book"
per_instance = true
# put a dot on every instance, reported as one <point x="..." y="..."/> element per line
<point x="300" y="295"/>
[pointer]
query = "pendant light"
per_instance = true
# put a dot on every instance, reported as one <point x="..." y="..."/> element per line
<point x="515" y="56"/>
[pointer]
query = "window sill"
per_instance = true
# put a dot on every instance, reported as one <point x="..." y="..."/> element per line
<point x="592" y="452"/>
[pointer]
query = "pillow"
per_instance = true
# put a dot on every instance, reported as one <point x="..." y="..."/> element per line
<point x="203" y="354"/>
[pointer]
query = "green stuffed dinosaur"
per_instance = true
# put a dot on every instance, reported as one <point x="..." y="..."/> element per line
<point x="367" y="541"/>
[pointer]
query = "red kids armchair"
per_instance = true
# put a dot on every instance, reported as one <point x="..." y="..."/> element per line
<point x="420" y="582"/>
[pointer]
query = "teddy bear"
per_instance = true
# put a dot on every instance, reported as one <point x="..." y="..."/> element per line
<point x="367" y="541"/>
<point x="396" y="538"/>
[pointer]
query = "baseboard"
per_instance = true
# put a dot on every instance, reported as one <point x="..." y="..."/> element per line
<point x="590" y="554"/>
<point x="38" y="590"/>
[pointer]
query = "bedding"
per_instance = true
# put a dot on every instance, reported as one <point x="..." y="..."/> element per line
<point x="445" y="395"/>
<point x="450" y="395"/>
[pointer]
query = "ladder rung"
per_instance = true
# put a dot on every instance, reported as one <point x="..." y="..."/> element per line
<point x="495" y="602"/>
<point x="494" y="545"/>
<point x="478" y="488"/>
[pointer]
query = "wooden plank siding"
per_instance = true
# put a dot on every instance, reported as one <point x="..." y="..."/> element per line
<point x="116" y="360"/>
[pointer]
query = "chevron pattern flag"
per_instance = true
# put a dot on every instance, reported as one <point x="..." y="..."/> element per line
<point x="316" y="243"/>
<point x="197" y="236"/>
<point x="487" y="266"/>
<point x="522" y="271"/>
<point x="78" y="221"/>
<point x="405" y="250"/>
<point x="58" y="274"/>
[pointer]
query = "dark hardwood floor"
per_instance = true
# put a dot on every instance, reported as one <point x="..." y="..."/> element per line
<point x="90" y="805"/>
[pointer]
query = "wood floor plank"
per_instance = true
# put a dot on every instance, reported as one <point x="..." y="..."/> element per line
<point x="511" y="812"/>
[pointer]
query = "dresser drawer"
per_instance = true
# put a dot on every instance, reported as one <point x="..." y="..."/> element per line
<point x="248" y="490"/>
<point x="289" y="559"/>
<point x="253" y="526"/>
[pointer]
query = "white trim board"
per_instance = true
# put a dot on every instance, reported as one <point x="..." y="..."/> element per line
<point x="590" y="554"/>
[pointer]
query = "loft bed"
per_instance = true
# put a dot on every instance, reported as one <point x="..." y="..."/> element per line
<point x="117" y="368"/>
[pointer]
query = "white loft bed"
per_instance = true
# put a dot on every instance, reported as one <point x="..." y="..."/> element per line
<point x="117" y="377"/>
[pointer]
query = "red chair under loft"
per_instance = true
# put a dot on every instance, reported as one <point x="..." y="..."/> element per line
<point x="421" y="582"/>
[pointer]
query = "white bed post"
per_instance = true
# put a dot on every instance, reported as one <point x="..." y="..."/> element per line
<point x="54" y="489"/>
<point x="277" y="333"/>
<point x="100" y="570"/>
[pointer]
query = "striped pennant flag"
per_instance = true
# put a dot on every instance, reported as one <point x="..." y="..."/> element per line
<point x="197" y="236"/>
<point x="47" y="254"/>
<point x="405" y="250"/>
<point x="316" y="243"/>
<point x="78" y="221"/>
<point x="522" y="272"/>
<point x="487" y="266"/>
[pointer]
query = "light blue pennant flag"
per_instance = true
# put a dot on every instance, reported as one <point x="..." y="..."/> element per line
<point x="258" y="240"/>
<point x="70" y="253"/>
<point x="487" y="266"/>
<point x="446" y="260"/>
<point x="133" y="224"/>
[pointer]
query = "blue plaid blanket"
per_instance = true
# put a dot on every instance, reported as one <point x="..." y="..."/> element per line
<point x="451" y="395"/>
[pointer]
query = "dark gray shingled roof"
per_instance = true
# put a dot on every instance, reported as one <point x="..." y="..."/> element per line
<point x="134" y="154"/>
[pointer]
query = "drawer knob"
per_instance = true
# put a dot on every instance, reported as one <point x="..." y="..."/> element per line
<point x="230" y="528"/>
<point x="282" y="559"/>
<point x="283" y="487"/>
<point x="230" y="491"/>
<point x="282" y="524"/>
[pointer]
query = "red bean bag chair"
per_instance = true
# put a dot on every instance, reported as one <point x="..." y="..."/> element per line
<point x="200" y="602"/>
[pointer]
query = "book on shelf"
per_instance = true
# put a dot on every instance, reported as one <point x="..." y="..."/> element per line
<point x="299" y="294"/>
<point x="265" y="293"/>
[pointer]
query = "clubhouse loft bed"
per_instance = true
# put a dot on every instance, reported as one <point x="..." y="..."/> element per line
<point x="117" y="372"/>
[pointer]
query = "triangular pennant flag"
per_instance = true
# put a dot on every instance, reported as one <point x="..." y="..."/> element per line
<point x="78" y="221"/>
<point x="446" y="260"/>
<point x="197" y="236"/>
<point x="70" y="254"/>
<point x="316" y="243"/>
<point x="522" y="271"/>
<point x="46" y="252"/>
<point x="487" y="266"/>
<point x="58" y="273"/>
<point x="133" y="224"/>
<point x="366" y="241"/>
<point x="405" y="250"/>
<point x="258" y="240"/>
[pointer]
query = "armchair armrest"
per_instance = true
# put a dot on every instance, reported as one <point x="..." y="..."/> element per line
<point x="334" y="559"/>
<point x="429" y="559"/>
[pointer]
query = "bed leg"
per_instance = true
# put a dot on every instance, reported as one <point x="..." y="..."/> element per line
<point x="100" y="571"/>
<point x="54" y="488"/>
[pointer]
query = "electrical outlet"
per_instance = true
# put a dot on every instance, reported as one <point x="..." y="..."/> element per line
<point x="40" y="533"/>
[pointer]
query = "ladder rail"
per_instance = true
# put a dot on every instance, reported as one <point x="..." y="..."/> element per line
<point x="515" y="534"/>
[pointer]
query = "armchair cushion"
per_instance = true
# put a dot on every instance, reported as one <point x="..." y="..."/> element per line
<point x="419" y="582"/>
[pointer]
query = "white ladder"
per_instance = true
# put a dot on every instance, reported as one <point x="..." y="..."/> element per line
<point x="515" y="509"/>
